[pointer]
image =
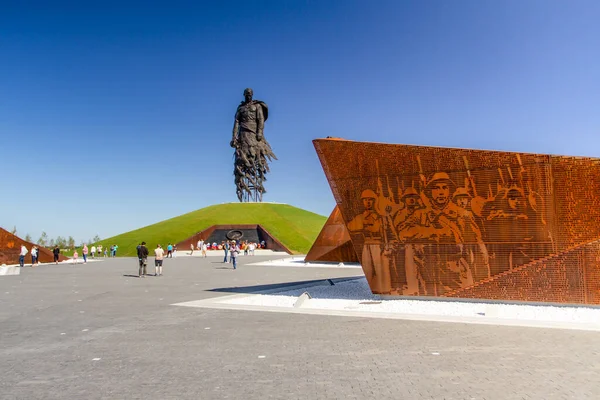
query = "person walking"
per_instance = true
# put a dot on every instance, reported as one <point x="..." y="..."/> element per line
<point x="203" y="249"/>
<point x="143" y="258"/>
<point x="84" y="251"/>
<point x="93" y="251"/>
<point x="22" y="255"/>
<point x="234" y="251"/>
<point x="170" y="251"/>
<point x="226" y="249"/>
<point x="159" y="254"/>
<point x="34" y="256"/>
<point x="56" y="253"/>
<point x="191" y="248"/>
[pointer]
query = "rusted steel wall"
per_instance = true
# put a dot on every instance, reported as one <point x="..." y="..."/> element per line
<point x="333" y="243"/>
<point x="10" y="247"/>
<point x="433" y="221"/>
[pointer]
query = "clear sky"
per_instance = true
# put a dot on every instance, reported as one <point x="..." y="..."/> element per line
<point x="118" y="115"/>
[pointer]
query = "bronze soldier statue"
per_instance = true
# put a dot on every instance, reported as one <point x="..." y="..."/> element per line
<point x="252" y="151"/>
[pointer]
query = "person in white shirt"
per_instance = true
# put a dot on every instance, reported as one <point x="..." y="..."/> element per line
<point x="22" y="255"/>
<point x="200" y="243"/>
<point x="34" y="256"/>
<point x="251" y="248"/>
<point x="93" y="251"/>
<point x="159" y="254"/>
<point x="203" y="249"/>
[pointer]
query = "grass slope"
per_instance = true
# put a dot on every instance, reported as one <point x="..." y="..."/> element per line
<point x="294" y="227"/>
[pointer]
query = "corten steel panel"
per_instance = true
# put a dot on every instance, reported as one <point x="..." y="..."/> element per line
<point x="433" y="221"/>
<point x="333" y="243"/>
<point x="10" y="247"/>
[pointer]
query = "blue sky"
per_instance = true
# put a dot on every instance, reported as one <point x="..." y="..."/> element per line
<point x="119" y="115"/>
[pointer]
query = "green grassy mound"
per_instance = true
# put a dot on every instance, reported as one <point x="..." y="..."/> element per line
<point x="295" y="228"/>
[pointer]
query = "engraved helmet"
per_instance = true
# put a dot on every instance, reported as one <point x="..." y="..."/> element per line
<point x="440" y="176"/>
<point x="460" y="192"/>
<point x="410" y="192"/>
<point x="368" y="194"/>
<point x="515" y="191"/>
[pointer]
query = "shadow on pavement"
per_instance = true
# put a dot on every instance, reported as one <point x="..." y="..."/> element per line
<point x="278" y="286"/>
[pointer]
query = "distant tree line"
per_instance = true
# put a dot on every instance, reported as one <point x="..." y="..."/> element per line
<point x="60" y="241"/>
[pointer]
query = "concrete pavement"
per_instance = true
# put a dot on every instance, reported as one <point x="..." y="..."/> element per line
<point x="93" y="331"/>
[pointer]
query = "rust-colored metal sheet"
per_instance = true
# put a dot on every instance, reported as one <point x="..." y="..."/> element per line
<point x="333" y="243"/>
<point x="443" y="222"/>
<point x="10" y="247"/>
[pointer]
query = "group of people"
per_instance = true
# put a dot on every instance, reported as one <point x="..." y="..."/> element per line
<point x="231" y="248"/>
<point x="227" y="246"/>
<point x="93" y="251"/>
<point x="159" y="255"/>
<point x="34" y="252"/>
<point x="245" y="246"/>
<point x="35" y="255"/>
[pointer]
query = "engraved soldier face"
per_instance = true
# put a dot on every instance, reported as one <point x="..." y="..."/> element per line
<point x="462" y="201"/>
<point x="440" y="193"/>
<point x="368" y="203"/>
<point x="515" y="202"/>
<point x="411" y="201"/>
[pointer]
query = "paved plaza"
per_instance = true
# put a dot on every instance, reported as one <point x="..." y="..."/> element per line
<point x="96" y="331"/>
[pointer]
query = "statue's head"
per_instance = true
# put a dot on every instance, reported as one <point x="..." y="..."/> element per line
<point x="248" y="93"/>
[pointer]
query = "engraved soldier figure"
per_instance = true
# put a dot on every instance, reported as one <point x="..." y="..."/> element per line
<point x="443" y="227"/>
<point x="374" y="263"/>
<point x="510" y="228"/>
<point x="411" y="200"/>
<point x="476" y="254"/>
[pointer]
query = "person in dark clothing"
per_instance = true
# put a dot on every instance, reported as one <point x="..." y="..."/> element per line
<point x="226" y="249"/>
<point x="142" y="252"/>
<point x="56" y="252"/>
